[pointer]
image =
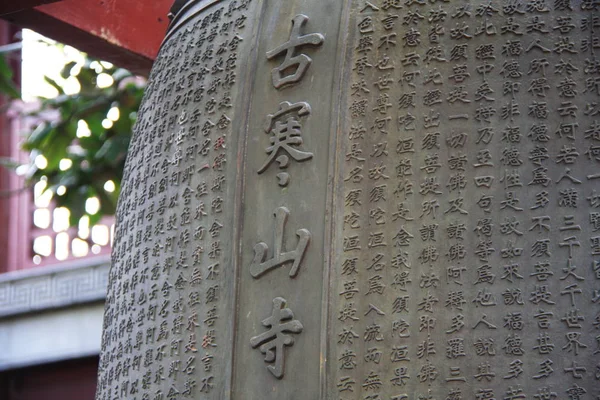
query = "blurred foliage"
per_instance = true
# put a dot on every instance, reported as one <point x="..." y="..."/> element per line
<point x="80" y="147"/>
<point x="7" y="85"/>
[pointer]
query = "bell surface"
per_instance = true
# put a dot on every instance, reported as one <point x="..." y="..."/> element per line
<point x="362" y="200"/>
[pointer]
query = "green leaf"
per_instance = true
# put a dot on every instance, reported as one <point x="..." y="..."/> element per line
<point x="38" y="136"/>
<point x="114" y="150"/>
<point x="7" y="85"/>
<point x="66" y="71"/>
<point x="108" y="201"/>
<point x="70" y="178"/>
<point x="94" y="218"/>
<point x="5" y="69"/>
<point x="57" y="149"/>
<point x="87" y="79"/>
<point x="95" y="158"/>
<point x="74" y="200"/>
<point x="54" y="84"/>
<point x="8" y="88"/>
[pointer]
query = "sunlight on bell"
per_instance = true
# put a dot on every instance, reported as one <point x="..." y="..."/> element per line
<point x="42" y="245"/>
<point x="61" y="190"/>
<point x="100" y="235"/>
<point x="71" y="86"/>
<point x="96" y="249"/>
<point x="41" y="218"/>
<point x="107" y="124"/>
<point x="61" y="219"/>
<point x="104" y="80"/>
<point x="109" y="186"/>
<point x="65" y="164"/>
<point x="84" y="227"/>
<point x="92" y="205"/>
<point x="83" y="129"/>
<point x="79" y="248"/>
<point x="113" y="114"/>
<point x="41" y="162"/>
<point x="42" y="199"/>
<point x="61" y="252"/>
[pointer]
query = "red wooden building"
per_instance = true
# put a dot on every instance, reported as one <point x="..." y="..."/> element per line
<point x="51" y="310"/>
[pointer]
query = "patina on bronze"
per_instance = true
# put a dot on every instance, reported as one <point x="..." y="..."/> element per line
<point x="384" y="199"/>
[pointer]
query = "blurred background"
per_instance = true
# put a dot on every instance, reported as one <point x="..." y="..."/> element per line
<point x="65" y="124"/>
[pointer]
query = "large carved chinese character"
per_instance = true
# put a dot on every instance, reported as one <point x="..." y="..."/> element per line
<point x="286" y="137"/>
<point x="260" y="265"/>
<point x="298" y="63"/>
<point x="275" y="339"/>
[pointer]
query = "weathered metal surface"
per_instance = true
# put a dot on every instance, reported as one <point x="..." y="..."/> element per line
<point x="395" y="199"/>
<point x="178" y="319"/>
<point x="467" y="261"/>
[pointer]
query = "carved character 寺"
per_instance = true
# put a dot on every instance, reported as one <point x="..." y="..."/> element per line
<point x="273" y="341"/>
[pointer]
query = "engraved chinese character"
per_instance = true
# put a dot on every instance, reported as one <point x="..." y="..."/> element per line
<point x="299" y="63"/>
<point x="272" y="342"/>
<point x="286" y="137"/>
<point x="260" y="265"/>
